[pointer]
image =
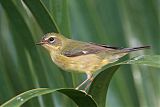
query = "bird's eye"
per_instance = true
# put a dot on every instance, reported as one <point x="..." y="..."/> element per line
<point x="51" y="40"/>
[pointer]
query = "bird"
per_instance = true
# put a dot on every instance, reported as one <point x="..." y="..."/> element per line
<point x="83" y="57"/>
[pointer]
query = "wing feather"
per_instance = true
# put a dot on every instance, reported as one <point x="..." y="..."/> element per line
<point x="78" y="48"/>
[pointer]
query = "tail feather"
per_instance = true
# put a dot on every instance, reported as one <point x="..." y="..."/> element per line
<point x="126" y="50"/>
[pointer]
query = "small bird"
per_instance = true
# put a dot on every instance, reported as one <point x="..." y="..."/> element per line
<point x="78" y="56"/>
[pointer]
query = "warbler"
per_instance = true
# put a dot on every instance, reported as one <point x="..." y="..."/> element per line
<point x="84" y="57"/>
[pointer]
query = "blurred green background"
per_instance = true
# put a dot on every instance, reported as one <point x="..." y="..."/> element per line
<point x="123" y="23"/>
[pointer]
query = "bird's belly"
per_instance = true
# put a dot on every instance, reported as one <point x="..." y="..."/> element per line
<point x="85" y="63"/>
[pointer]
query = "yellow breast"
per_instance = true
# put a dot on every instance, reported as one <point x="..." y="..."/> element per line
<point x="84" y="63"/>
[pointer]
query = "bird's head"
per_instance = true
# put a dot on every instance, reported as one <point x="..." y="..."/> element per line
<point x="53" y="42"/>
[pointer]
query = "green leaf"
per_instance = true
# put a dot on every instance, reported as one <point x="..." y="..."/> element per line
<point x="100" y="84"/>
<point x="43" y="17"/>
<point x="149" y="60"/>
<point x="79" y="97"/>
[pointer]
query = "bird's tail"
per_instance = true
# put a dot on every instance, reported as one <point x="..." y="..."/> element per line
<point x="122" y="52"/>
<point x="126" y="50"/>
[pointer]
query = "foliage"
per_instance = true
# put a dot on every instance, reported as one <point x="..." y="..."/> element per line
<point x="24" y="66"/>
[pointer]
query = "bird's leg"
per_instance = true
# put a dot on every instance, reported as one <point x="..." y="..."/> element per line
<point x="89" y="83"/>
<point x="89" y="76"/>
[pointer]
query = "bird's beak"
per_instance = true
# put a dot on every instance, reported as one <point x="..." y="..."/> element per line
<point x="41" y="43"/>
